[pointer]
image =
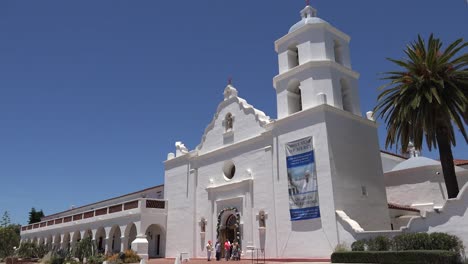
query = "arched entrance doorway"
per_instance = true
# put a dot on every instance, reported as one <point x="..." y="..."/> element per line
<point x="156" y="241"/>
<point x="228" y="227"/>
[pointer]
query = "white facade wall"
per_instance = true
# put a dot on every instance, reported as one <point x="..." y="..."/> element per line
<point x="320" y="232"/>
<point x="389" y="161"/>
<point x="359" y="187"/>
<point x="180" y="218"/>
<point x="422" y="187"/>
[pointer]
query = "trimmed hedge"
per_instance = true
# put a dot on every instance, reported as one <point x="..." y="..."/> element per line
<point x="401" y="257"/>
<point x="411" y="241"/>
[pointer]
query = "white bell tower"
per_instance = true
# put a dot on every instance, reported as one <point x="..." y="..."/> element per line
<point x="315" y="68"/>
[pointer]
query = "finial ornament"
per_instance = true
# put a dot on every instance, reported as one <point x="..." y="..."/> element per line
<point x="229" y="80"/>
<point x="308" y="11"/>
<point x="412" y="150"/>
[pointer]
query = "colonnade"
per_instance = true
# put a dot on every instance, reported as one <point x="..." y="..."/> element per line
<point x="108" y="239"/>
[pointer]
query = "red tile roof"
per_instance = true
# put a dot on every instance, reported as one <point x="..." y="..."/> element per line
<point x="402" y="207"/>
<point x="456" y="162"/>
<point x="48" y="217"/>
<point x="460" y="162"/>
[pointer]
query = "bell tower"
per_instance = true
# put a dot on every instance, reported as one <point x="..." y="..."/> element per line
<point x="314" y="68"/>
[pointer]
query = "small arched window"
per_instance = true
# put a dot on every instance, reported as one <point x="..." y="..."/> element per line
<point x="346" y="96"/>
<point x="294" y="98"/>
<point x="338" y="52"/>
<point x="229" y="122"/>
<point x="203" y="225"/>
<point x="293" y="57"/>
<point x="261" y="219"/>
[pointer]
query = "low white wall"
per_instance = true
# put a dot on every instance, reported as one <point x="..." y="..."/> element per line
<point x="452" y="218"/>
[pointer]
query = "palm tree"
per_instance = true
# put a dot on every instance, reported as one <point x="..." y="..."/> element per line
<point x="426" y="98"/>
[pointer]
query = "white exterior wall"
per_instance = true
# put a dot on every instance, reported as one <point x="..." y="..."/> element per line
<point x="452" y="218"/>
<point x="249" y="191"/>
<point x="355" y="151"/>
<point x="245" y="126"/>
<point x="389" y="161"/>
<point x="422" y="187"/>
<point x="209" y="191"/>
<point x="179" y="190"/>
<point x="320" y="232"/>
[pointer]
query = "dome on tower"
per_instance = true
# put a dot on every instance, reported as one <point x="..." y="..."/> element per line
<point x="308" y="16"/>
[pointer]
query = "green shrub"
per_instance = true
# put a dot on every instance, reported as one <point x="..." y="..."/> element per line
<point x="59" y="257"/>
<point x="83" y="249"/>
<point x="97" y="259"/>
<point x="56" y="260"/>
<point x="341" y="247"/>
<point x="444" y="241"/>
<point x="359" y="245"/>
<point x="412" y="241"/>
<point x="400" y="257"/>
<point x="379" y="243"/>
<point x="32" y="250"/>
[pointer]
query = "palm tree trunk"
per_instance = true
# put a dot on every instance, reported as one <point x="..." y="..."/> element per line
<point x="446" y="159"/>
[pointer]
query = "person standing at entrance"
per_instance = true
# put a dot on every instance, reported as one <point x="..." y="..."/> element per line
<point x="218" y="250"/>
<point x="209" y="248"/>
<point x="227" y="250"/>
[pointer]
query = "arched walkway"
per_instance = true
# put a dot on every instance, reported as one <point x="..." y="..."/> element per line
<point x="88" y="233"/>
<point x="101" y="240"/>
<point x="114" y="239"/>
<point x="66" y="243"/>
<point x="76" y="238"/>
<point x="130" y="234"/>
<point x="49" y="242"/>
<point x="41" y="241"/>
<point x="156" y="237"/>
<point x="56" y="242"/>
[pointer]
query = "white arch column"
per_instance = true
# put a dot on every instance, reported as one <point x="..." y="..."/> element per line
<point x="56" y="240"/>
<point x="107" y="240"/>
<point x="123" y="238"/>
<point x="140" y="244"/>
<point x="62" y="242"/>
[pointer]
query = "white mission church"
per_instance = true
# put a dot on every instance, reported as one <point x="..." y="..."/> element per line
<point x="294" y="187"/>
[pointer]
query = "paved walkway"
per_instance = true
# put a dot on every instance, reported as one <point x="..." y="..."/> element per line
<point x="244" y="261"/>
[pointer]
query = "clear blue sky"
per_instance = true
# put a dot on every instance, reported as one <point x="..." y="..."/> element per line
<point x="93" y="94"/>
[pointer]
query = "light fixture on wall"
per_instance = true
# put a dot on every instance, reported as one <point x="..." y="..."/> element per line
<point x="150" y="235"/>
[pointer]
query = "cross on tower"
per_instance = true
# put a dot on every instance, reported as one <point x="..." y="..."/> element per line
<point x="307" y="2"/>
<point x="230" y="80"/>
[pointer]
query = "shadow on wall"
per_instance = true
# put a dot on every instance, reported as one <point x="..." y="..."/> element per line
<point x="306" y="225"/>
<point x="262" y="240"/>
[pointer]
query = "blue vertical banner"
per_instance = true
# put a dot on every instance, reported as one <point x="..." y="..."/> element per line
<point x="302" y="180"/>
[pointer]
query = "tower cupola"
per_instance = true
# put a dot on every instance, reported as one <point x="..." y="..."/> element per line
<point x="308" y="16"/>
<point x="314" y="67"/>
